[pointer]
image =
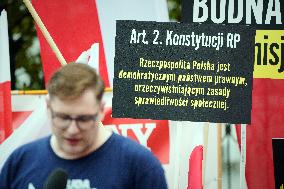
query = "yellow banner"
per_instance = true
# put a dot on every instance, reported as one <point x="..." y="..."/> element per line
<point x="269" y="54"/>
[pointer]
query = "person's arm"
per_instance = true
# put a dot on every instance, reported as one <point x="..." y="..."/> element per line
<point x="153" y="178"/>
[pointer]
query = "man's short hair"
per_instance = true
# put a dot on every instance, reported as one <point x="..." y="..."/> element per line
<point x="70" y="81"/>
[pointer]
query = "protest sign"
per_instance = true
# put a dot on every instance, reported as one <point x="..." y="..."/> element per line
<point x="182" y="71"/>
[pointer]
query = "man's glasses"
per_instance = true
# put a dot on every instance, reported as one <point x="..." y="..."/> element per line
<point x="83" y="122"/>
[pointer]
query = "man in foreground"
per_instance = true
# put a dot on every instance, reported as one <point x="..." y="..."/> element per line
<point x="92" y="156"/>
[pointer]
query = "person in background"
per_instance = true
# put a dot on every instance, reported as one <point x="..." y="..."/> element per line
<point x="92" y="156"/>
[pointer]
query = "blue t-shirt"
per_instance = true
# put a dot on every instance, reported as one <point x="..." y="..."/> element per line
<point x="119" y="163"/>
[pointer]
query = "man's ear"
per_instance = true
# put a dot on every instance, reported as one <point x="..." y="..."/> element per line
<point x="47" y="101"/>
<point x="102" y="106"/>
<point x="102" y="110"/>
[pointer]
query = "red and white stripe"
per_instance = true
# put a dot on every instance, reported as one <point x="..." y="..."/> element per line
<point x="5" y="80"/>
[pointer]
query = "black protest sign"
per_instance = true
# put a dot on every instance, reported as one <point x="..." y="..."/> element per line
<point x="266" y="15"/>
<point x="278" y="159"/>
<point x="180" y="71"/>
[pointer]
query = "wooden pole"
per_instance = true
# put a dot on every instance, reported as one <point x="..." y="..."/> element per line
<point x="45" y="32"/>
<point x="219" y="155"/>
<point x="40" y="92"/>
<point x="243" y="157"/>
<point x="205" y="147"/>
<point x="179" y="130"/>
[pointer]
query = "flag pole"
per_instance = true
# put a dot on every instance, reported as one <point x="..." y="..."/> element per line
<point x="243" y="157"/>
<point x="45" y="32"/>
<point x="205" y="146"/>
<point x="179" y="130"/>
<point x="219" y="155"/>
<point x="41" y="92"/>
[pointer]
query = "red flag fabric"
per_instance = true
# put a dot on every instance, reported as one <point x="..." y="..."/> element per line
<point x="153" y="134"/>
<point x="74" y="27"/>
<point x="267" y="123"/>
<point x="5" y="110"/>
<point x="5" y="84"/>
<point x="195" y="168"/>
<point x="19" y="118"/>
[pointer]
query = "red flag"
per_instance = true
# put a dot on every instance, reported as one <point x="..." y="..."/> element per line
<point x="267" y="123"/>
<point x="5" y="83"/>
<point x="195" y="168"/>
<point x="19" y="117"/>
<point x="5" y="110"/>
<point x="74" y="26"/>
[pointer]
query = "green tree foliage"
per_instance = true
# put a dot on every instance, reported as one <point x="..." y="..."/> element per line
<point x="24" y="50"/>
<point x="174" y="7"/>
